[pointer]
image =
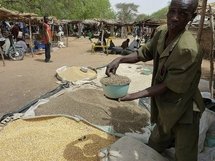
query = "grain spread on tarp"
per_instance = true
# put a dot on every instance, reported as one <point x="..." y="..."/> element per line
<point x="75" y="73"/>
<point x="97" y="109"/>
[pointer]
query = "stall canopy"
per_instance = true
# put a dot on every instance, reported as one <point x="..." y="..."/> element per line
<point x="6" y="14"/>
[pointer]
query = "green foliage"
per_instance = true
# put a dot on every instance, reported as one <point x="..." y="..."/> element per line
<point x="81" y="9"/>
<point x="160" y="14"/>
<point x="127" y="12"/>
<point x="142" y="17"/>
<point x="63" y="9"/>
<point x="92" y="9"/>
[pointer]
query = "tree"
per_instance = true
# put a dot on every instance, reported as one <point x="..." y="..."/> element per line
<point x="63" y="9"/>
<point x="92" y="9"/>
<point x="142" y="17"/>
<point x="127" y="12"/>
<point x="160" y="14"/>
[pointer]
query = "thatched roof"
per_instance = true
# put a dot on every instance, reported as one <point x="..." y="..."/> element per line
<point x="151" y="22"/>
<point x="65" y="21"/>
<point x="72" y="21"/>
<point x="107" y="22"/>
<point x="6" y="14"/>
<point x="90" y="22"/>
<point x="212" y="7"/>
<point x="196" y="21"/>
<point x="110" y="22"/>
<point x="207" y="10"/>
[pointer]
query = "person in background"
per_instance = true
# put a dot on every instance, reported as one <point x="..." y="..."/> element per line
<point x="15" y="31"/>
<point x="111" y="45"/>
<point x="176" y="102"/>
<point x="102" y="38"/>
<point x="90" y="35"/>
<point x="60" y="33"/>
<point x="125" y="43"/>
<point x="47" y="38"/>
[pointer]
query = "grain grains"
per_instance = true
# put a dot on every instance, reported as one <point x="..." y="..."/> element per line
<point x="92" y="105"/>
<point x="115" y="80"/>
<point x="51" y="139"/>
<point x="74" y="73"/>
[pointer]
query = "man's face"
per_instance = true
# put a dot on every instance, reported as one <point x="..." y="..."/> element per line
<point x="46" y="19"/>
<point x="179" y="14"/>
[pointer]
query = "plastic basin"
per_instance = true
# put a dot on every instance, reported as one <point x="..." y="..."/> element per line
<point x="115" y="91"/>
<point x="147" y="71"/>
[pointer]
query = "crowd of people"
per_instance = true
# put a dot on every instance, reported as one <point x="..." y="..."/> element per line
<point x="18" y="33"/>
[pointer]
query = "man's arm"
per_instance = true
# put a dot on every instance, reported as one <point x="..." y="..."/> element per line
<point x="155" y="90"/>
<point x="131" y="58"/>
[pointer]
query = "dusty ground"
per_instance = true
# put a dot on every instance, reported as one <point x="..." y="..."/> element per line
<point x="23" y="81"/>
<point x="26" y="80"/>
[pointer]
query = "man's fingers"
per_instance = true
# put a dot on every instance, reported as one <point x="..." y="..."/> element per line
<point x="110" y="71"/>
<point x="107" y="71"/>
<point x="114" y="71"/>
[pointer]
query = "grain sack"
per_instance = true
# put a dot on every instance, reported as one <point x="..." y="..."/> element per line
<point x="129" y="149"/>
<point x="49" y="139"/>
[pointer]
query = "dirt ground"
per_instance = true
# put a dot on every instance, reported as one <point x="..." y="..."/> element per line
<point x="23" y="81"/>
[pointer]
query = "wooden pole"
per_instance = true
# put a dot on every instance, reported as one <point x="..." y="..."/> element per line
<point x="30" y="35"/>
<point x="2" y="56"/>
<point x="201" y="24"/>
<point x="102" y="38"/>
<point x="212" y="52"/>
<point x="67" y="34"/>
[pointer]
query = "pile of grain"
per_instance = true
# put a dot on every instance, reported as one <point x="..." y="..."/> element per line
<point x="92" y="105"/>
<point x="115" y="80"/>
<point x="50" y="139"/>
<point x="74" y="73"/>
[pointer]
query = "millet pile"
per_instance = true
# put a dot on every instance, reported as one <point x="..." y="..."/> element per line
<point x="115" y="80"/>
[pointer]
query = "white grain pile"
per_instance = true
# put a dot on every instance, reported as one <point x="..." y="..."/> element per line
<point x="46" y="139"/>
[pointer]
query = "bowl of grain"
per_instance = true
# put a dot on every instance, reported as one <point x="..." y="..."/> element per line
<point x="115" y="86"/>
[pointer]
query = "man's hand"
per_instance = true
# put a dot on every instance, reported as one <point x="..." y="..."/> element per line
<point x="131" y="58"/>
<point x="112" y="67"/>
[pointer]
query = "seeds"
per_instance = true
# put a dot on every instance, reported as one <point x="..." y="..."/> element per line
<point x="47" y="139"/>
<point x="115" y="80"/>
<point x="97" y="109"/>
<point x="74" y="73"/>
